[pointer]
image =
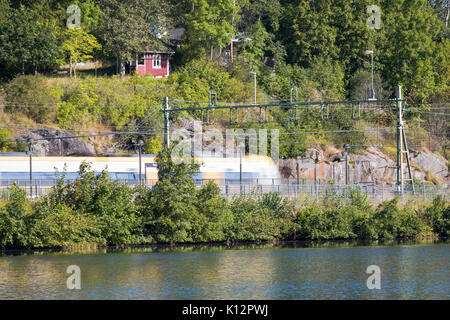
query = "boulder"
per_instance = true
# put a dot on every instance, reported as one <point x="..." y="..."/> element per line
<point x="59" y="147"/>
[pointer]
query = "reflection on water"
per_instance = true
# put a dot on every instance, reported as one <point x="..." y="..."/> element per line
<point x="332" y="270"/>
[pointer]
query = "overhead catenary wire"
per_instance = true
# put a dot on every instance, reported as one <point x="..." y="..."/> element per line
<point x="69" y="130"/>
<point x="81" y="136"/>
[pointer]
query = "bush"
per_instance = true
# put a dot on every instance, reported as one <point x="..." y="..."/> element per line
<point x="208" y="75"/>
<point x="392" y="222"/>
<point x="60" y="226"/>
<point x="265" y="218"/>
<point x="14" y="219"/>
<point x="35" y="93"/>
<point x="316" y="223"/>
<point x="217" y="216"/>
<point x="109" y="203"/>
<point x="437" y="215"/>
<point x="4" y="135"/>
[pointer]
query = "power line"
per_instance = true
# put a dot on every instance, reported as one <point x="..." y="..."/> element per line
<point x="336" y="131"/>
<point x="429" y="112"/>
<point x="82" y="136"/>
<point x="67" y="130"/>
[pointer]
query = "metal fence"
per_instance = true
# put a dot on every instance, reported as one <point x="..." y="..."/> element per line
<point x="288" y="188"/>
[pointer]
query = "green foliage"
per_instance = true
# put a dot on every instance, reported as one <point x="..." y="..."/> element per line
<point x="209" y="25"/>
<point x="13" y="219"/>
<point x="4" y="135"/>
<point x="93" y="209"/>
<point x="27" y="39"/>
<point x="32" y="96"/>
<point x="263" y="218"/>
<point x="216" y="216"/>
<point x="360" y="86"/>
<point x="438" y="217"/>
<point x="170" y="212"/>
<point x="125" y="27"/>
<point x="79" y="46"/>
<point x="110" y="101"/>
<point x="393" y="222"/>
<point x="268" y="11"/>
<point x="109" y="202"/>
<point x="409" y="54"/>
<point x="256" y="49"/>
<point x="196" y="78"/>
<point x="58" y="225"/>
<point x="354" y="217"/>
<point x="153" y="145"/>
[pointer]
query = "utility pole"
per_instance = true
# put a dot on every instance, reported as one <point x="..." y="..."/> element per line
<point x="240" y="146"/>
<point x="294" y="87"/>
<point x="254" y="77"/>
<point x="140" y="144"/>
<point x="30" y="152"/>
<point x="346" y="147"/>
<point x="370" y="52"/>
<point x="166" y="121"/>
<point x="402" y="147"/>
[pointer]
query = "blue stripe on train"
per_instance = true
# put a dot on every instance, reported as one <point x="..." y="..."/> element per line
<point x="69" y="175"/>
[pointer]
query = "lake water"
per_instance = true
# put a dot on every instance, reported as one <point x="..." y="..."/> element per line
<point x="301" y="271"/>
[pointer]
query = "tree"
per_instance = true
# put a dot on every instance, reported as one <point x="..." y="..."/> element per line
<point x="308" y="32"/>
<point x="14" y="218"/>
<point x="79" y="46"/>
<point x="269" y="12"/>
<point x="125" y="27"/>
<point x="256" y="49"/>
<point x="409" y="54"/>
<point x="168" y="212"/>
<point x="27" y="39"/>
<point x="209" y="24"/>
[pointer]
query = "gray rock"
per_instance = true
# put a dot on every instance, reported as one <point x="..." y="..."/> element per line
<point x="59" y="147"/>
<point x="372" y="166"/>
<point x="432" y="162"/>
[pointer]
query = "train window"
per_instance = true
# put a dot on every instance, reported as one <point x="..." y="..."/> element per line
<point x="15" y="175"/>
<point x="197" y="176"/>
<point x="123" y="176"/>
<point x="235" y="176"/>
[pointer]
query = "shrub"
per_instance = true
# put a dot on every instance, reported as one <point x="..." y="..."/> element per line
<point x="253" y="221"/>
<point x="318" y="223"/>
<point x="437" y="215"/>
<point x="14" y="219"/>
<point x="4" y="135"/>
<point x="393" y="222"/>
<point x="217" y="216"/>
<point x="35" y="93"/>
<point x="60" y="226"/>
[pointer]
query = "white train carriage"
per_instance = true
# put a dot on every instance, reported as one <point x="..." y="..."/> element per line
<point x="45" y="170"/>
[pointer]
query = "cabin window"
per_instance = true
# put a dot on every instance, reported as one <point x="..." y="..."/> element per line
<point x="156" y="61"/>
<point x="141" y="60"/>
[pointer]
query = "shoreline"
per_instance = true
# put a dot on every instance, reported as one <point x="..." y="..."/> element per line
<point x="91" y="248"/>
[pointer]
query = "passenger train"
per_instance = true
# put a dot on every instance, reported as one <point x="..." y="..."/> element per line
<point x="16" y="167"/>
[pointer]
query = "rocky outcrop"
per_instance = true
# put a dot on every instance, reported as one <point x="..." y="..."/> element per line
<point x="54" y="146"/>
<point x="433" y="163"/>
<point x="371" y="166"/>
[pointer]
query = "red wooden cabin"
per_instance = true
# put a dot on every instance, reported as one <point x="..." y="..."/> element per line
<point x="153" y="63"/>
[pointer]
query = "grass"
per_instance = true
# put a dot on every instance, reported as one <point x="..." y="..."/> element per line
<point x="431" y="177"/>
<point x="415" y="166"/>
<point x="391" y="152"/>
